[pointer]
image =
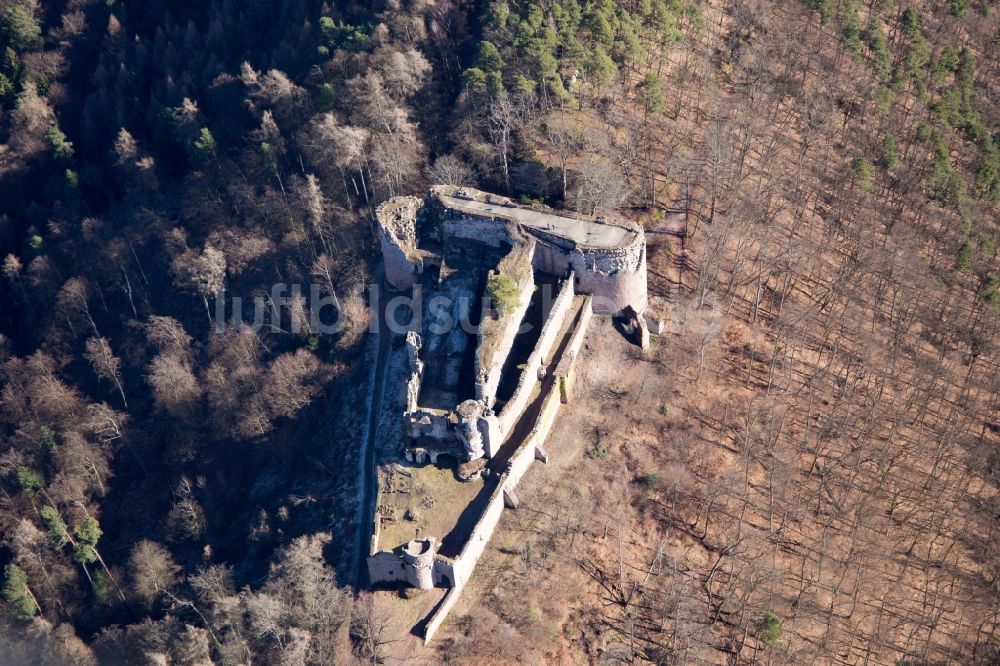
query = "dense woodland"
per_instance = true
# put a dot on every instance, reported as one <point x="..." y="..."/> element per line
<point x="175" y="490"/>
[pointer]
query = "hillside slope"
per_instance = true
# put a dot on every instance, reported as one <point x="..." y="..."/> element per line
<point x="804" y="469"/>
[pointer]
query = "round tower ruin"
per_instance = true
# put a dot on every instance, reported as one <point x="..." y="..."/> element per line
<point x="418" y="558"/>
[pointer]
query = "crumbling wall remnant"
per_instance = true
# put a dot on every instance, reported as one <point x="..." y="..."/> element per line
<point x="469" y="413"/>
<point x="496" y="337"/>
<point x="397" y="228"/>
<point x="529" y="451"/>
<point x="487" y="231"/>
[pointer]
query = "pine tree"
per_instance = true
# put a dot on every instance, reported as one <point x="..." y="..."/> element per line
<point x="88" y="533"/>
<point x="55" y="526"/>
<point x="19" y="598"/>
<point x="20" y="28"/>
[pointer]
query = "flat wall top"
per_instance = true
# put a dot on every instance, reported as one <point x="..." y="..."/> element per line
<point x="599" y="234"/>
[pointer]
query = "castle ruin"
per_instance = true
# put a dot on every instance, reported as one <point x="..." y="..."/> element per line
<point x="503" y="296"/>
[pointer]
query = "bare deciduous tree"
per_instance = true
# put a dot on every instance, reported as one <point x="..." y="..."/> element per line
<point x="168" y="336"/>
<point x="74" y="302"/>
<point x="451" y="170"/>
<point x="106" y="365"/>
<point x="202" y="272"/>
<point x="292" y="381"/>
<point x="151" y="570"/>
<point x="174" y="385"/>
<point x="504" y="117"/>
<point x="599" y="185"/>
<point x="372" y="628"/>
<point x="565" y="138"/>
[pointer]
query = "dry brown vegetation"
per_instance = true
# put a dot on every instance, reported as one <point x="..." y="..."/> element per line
<point x="814" y="442"/>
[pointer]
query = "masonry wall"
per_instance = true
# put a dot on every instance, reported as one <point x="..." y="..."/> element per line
<point x="490" y="361"/>
<point x="465" y="563"/>
<point x="386" y="567"/>
<point x="495" y="233"/>
<point x="566" y="369"/>
<point x="525" y="454"/>
<point x="615" y="278"/>
<point x="434" y="623"/>
<point x="561" y="308"/>
<point x="376" y="529"/>
<point x="425" y="423"/>
<point x="400" y="272"/>
<point x="397" y="226"/>
<point x="551" y="259"/>
<point x="576" y="340"/>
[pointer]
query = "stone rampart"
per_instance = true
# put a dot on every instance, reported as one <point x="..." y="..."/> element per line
<point x="525" y="454"/>
<point x="465" y="563"/>
<point x="580" y="331"/>
<point x="615" y="278"/>
<point x="551" y="259"/>
<point x="566" y="369"/>
<point x="397" y="228"/>
<point x="614" y="274"/>
<point x="386" y="567"/>
<point x="495" y="233"/>
<point x="434" y="623"/>
<point x="496" y="338"/>
<point x="561" y="308"/>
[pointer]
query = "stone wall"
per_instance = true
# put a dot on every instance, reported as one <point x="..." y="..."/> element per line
<point x="400" y="270"/>
<point x="386" y="567"/>
<point x="496" y="338"/>
<point x="465" y="563"/>
<point x="551" y="259"/>
<point x="365" y="528"/>
<point x="566" y="370"/>
<point x="434" y="623"/>
<point x="376" y="527"/>
<point x="580" y="331"/>
<point x="526" y="453"/>
<point x="615" y="278"/>
<point x="561" y="308"/>
<point x="444" y="571"/>
<point x="433" y="424"/>
<point x="495" y="233"/>
<point x="489" y="428"/>
<point x="419" y="569"/>
<point x="397" y="228"/>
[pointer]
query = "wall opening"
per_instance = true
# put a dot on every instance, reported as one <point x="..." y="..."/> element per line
<point x="432" y="272"/>
<point x="446" y="461"/>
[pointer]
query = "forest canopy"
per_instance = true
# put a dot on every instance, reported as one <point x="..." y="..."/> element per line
<point x="823" y="176"/>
